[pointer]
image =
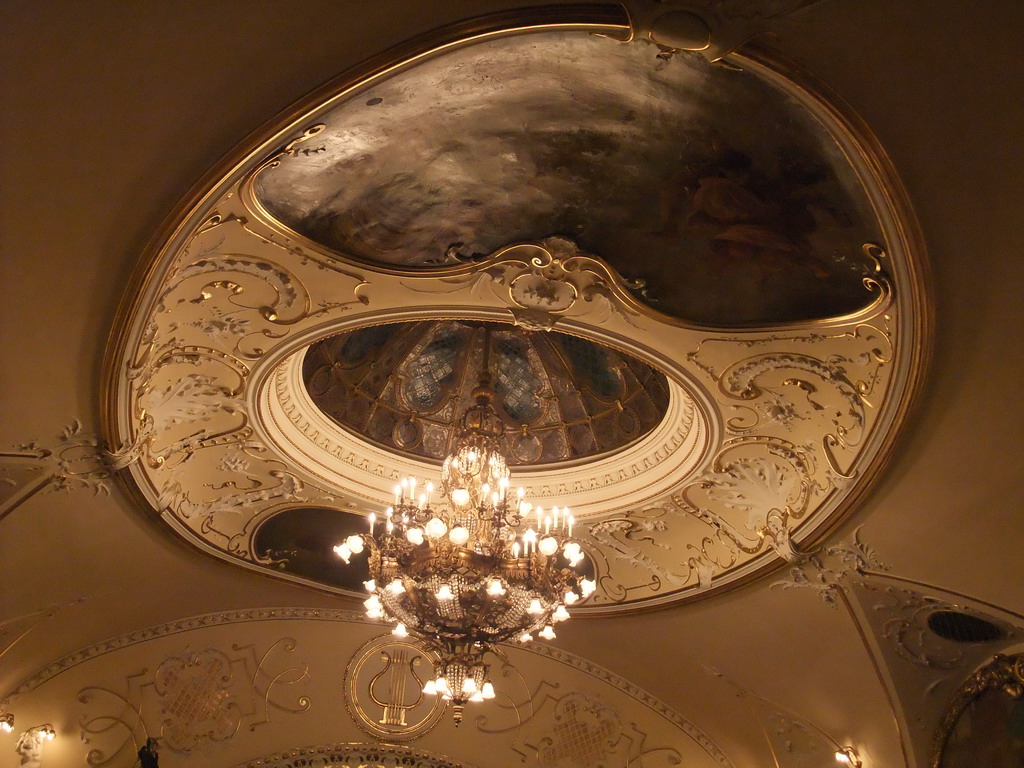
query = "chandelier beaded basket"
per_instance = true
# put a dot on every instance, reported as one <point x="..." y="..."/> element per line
<point x="485" y="567"/>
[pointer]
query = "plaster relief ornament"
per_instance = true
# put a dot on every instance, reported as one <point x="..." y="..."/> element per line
<point x="705" y="336"/>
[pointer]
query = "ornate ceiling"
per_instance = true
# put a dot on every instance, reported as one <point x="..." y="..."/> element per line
<point x="438" y="189"/>
<point x="705" y="296"/>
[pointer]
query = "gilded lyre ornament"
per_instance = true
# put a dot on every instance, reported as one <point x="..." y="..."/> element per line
<point x="395" y="701"/>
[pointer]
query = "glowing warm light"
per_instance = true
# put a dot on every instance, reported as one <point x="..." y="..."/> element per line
<point x="474" y="568"/>
<point x="444" y="593"/>
<point x="436" y="528"/>
<point x="415" y="535"/>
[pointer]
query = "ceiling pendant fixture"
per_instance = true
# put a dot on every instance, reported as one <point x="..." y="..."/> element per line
<point x="482" y="568"/>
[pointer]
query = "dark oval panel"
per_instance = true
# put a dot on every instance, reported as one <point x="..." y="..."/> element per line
<point x="963" y="627"/>
<point x="301" y="542"/>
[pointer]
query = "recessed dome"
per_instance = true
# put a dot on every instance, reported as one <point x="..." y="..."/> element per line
<point x="404" y="386"/>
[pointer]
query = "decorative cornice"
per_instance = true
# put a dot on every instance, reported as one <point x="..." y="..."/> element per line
<point x="341" y="755"/>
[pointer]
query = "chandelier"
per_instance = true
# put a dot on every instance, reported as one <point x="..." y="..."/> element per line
<point x="482" y="568"/>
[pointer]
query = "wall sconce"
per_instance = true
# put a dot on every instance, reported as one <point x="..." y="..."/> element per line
<point x="848" y="756"/>
<point x="7" y="722"/>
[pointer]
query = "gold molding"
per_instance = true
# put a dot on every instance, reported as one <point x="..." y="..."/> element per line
<point x="1005" y="672"/>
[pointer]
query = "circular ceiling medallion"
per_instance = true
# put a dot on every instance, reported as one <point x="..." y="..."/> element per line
<point x="702" y="284"/>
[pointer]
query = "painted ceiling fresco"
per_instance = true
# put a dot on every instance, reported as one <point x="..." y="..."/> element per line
<point x="405" y="386"/>
<point x="665" y="167"/>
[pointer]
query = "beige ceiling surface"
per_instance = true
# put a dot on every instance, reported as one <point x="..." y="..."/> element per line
<point x="111" y="114"/>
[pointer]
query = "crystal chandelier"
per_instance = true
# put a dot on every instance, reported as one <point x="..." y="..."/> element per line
<point x="483" y="567"/>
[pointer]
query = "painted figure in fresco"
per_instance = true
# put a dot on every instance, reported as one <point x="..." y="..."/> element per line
<point x="765" y="225"/>
<point x="148" y="755"/>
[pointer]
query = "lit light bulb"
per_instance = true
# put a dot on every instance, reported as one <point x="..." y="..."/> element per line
<point x="354" y="543"/>
<point x="444" y="593"/>
<point x="400" y="630"/>
<point x="535" y="606"/>
<point x="436" y="528"/>
<point x="525" y="637"/>
<point x="570" y="598"/>
<point x="441" y="684"/>
<point x="7" y="722"/>
<point x="458" y="535"/>
<point x="476" y="697"/>
<point x="415" y="536"/>
<point x="469" y="685"/>
<point x="548" y="633"/>
<point x="571" y="550"/>
<point x="370" y="585"/>
<point x="372" y="603"/>
<point x="460" y="497"/>
<point x="396" y="587"/>
<point x="495" y="588"/>
<point x="343" y="552"/>
<point x="560" y="614"/>
<point x="548" y="546"/>
<point x="488" y="690"/>
<point x="430" y="688"/>
<point x="848" y="756"/>
<point x="587" y="587"/>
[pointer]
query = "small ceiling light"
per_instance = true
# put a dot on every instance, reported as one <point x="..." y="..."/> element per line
<point x="848" y="756"/>
<point x="7" y="722"/>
